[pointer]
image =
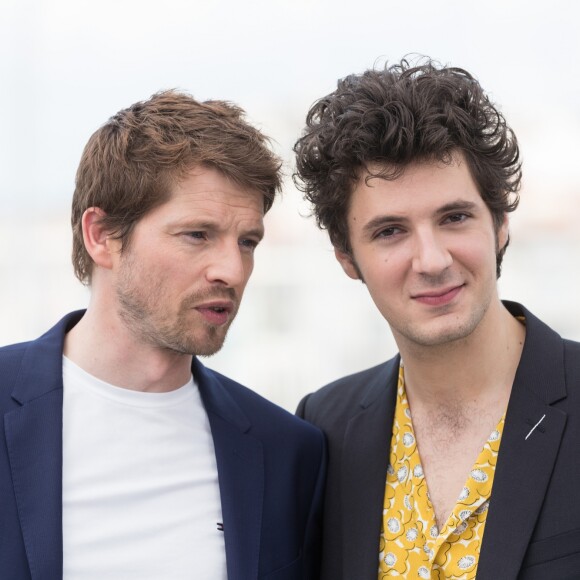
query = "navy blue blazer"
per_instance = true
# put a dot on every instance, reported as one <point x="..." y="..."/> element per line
<point x="532" y="529"/>
<point x="271" y="468"/>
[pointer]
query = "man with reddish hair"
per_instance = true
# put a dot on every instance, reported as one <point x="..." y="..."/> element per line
<point x="123" y="456"/>
<point x="474" y="425"/>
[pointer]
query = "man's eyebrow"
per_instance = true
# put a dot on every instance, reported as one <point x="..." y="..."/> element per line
<point x="458" y="205"/>
<point x="255" y="232"/>
<point x="382" y="220"/>
<point x="213" y="226"/>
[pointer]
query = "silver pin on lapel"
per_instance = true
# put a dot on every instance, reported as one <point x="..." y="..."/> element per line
<point x="532" y="429"/>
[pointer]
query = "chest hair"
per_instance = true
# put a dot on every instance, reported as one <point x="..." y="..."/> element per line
<point x="450" y="438"/>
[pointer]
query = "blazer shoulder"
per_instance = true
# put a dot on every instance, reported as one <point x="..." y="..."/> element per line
<point x="347" y="395"/>
<point x="46" y="349"/>
<point x="12" y="353"/>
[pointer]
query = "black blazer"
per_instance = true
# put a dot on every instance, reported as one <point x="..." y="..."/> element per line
<point x="270" y="464"/>
<point x="533" y="524"/>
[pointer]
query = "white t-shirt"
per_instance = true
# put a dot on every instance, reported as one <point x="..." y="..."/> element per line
<point x="140" y="484"/>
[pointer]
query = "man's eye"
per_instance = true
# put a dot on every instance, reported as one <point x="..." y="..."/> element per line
<point x="457" y="217"/>
<point x="248" y="243"/>
<point x="196" y="235"/>
<point x="388" y="232"/>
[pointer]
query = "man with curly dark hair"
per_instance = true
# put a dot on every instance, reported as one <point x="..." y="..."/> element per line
<point x="473" y="426"/>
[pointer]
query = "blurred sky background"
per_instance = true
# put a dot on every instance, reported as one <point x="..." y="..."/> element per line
<point x="66" y="66"/>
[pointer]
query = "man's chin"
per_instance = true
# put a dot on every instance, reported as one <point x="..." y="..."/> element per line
<point x="210" y="345"/>
<point x="443" y="336"/>
<point x="208" y="352"/>
<point x="198" y="346"/>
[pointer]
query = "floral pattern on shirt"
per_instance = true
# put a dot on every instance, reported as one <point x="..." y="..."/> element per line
<point x="411" y="545"/>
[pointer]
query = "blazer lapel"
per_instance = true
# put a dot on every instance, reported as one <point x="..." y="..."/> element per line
<point x="34" y="441"/>
<point x="530" y="443"/>
<point x="240" y="463"/>
<point x="364" y="472"/>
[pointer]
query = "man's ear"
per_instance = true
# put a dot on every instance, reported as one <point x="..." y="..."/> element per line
<point x="346" y="261"/>
<point x="98" y="243"/>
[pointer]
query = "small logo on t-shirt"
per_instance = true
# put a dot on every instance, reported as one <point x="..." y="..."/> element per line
<point x="220" y="527"/>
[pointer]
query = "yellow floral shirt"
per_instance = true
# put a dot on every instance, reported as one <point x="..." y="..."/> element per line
<point x="411" y="546"/>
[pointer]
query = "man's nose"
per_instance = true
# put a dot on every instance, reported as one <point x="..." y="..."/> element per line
<point x="227" y="266"/>
<point x="431" y="255"/>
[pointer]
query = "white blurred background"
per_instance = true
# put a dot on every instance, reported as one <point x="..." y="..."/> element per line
<point x="68" y="65"/>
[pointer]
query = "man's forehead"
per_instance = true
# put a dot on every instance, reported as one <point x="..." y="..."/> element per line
<point x="208" y="183"/>
<point x="429" y="186"/>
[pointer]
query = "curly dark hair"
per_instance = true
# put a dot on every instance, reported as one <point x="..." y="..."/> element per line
<point x="130" y="164"/>
<point x="396" y="116"/>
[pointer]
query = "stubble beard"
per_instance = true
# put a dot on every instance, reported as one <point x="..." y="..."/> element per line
<point x="450" y="334"/>
<point x="144" y="316"/>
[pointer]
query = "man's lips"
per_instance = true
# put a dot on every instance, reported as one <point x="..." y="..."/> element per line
<point x="438" y="297"/>
<point x="216" y="312"/>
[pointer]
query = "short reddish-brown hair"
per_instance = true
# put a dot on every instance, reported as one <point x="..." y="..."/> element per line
<point x="130" y="163"/>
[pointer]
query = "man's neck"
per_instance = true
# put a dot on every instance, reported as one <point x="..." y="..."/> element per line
<point x="457" y="395"/>
<point x="474" y="371"/>
<point x="102" y="346"/>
